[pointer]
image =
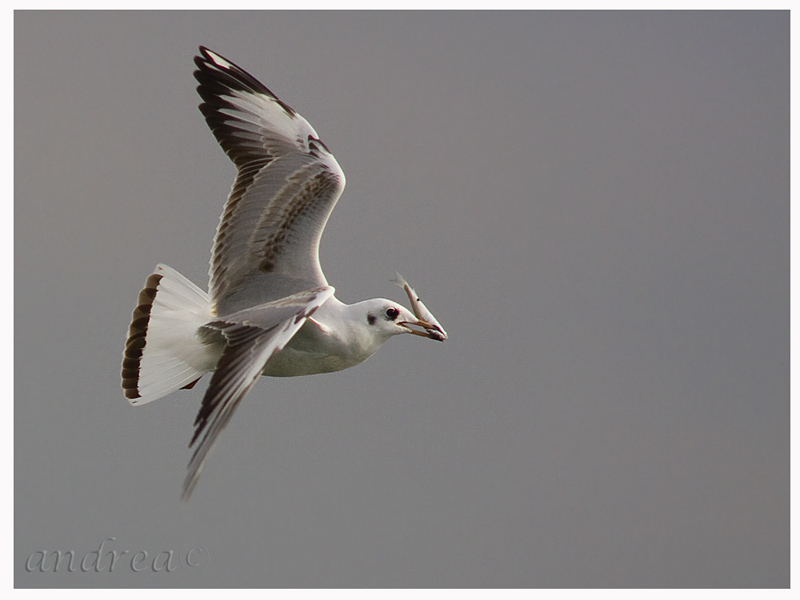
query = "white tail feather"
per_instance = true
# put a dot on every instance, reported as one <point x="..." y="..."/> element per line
<point x="163" y="352"/>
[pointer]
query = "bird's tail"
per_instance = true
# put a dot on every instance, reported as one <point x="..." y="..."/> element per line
<point x="163" y="352"/>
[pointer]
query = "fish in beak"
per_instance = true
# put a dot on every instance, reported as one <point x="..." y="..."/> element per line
<point x="425" y="319"/>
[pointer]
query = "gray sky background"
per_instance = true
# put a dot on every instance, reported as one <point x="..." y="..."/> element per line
<point x="594" y="205"/>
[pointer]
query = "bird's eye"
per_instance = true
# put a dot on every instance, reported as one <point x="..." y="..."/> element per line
<point x="391" y="313"/>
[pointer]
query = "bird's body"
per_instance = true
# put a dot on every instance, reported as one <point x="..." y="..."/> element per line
<point x="331" y="340"/>
<point x="269" y="309"/>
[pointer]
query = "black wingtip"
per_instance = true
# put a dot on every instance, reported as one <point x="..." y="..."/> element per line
<point x="216" y="77"/>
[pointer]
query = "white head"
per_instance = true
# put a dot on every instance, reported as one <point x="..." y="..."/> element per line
<point x="385" y="318"/>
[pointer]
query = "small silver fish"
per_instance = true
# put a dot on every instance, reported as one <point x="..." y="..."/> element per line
<point x="420" y="310"/>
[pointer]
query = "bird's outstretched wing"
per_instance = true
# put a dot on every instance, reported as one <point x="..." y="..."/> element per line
<point x="267" y="241"/>
<point x="252" y="337"/>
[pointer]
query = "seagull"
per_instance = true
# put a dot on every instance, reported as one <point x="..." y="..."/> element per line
<point x="269" y="309"/>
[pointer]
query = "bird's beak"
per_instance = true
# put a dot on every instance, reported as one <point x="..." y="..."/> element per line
<point x="429" y="330"/>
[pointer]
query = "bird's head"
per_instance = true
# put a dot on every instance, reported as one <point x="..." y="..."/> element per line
<point x="387" y="318"/>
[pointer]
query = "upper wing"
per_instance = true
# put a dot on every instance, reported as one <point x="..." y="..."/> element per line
<point x="287" y="185"/>
<point x="252" y="337"/>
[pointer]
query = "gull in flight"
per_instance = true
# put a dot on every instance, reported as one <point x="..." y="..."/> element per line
<point x="269" y="309"/>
